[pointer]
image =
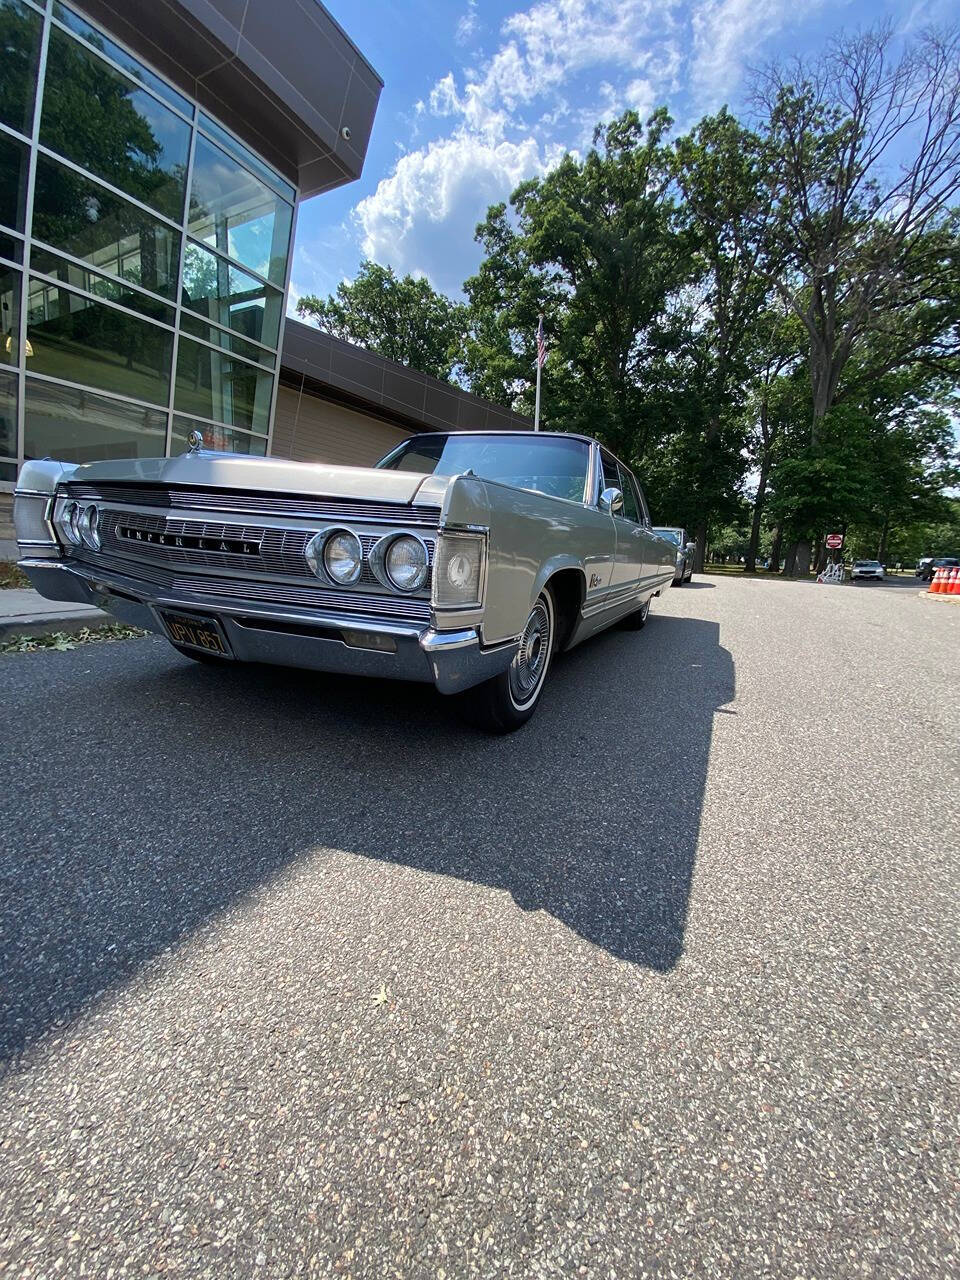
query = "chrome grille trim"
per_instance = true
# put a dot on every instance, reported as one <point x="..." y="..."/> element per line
<point x="216" y="589"/>
<point x="177" y="498"/>
<point x="281" y="550"/>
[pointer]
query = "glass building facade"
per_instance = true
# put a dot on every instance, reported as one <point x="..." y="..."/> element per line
<point x="144" y="256"/>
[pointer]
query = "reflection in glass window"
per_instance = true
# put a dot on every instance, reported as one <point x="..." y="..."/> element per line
<point x="247" y="158"/>
<point x="631" y="507"/>
<point x="8" y="416"/>
<point x="51" y="264"/>
<point x="13" y="181"/>
<point x="227" y="341"/>
<point x="80" y="426"/>
<point x="83" y="341"/>
<point x="122" y="58"/>
<point x="212" y="384"/>
<point x="96" y="117"/>
<point x="9" y="317"/>
<point x="82" y="218"/>
<point x="19" y="56"/>
<point x="234" y="212"/>
<point x="228" y="296"/>
<point x="223" y="439"/>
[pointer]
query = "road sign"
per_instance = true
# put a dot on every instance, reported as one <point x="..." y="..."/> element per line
<point x="834" y="541"/>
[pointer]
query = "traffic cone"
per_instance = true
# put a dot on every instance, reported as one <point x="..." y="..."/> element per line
<point x="955" y="583"/>
<point x="936" y="583"/>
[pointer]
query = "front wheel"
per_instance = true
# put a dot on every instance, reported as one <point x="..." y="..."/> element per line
<point x="506" y="702"/>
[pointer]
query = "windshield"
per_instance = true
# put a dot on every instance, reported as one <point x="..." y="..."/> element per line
<point x="868" y="564"/>
<point x="672" y="535"/>
<point x="545" y="464"/>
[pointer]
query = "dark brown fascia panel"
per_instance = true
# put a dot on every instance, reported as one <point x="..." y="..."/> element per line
<point x="348" y="375"/>
<point x="280" y="74"/>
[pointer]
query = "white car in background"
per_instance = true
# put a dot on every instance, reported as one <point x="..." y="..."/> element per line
<point x="867" y="569"/>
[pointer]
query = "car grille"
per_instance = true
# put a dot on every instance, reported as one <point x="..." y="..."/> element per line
<point x="176" y="498"/>
<point x="260" y="591"/>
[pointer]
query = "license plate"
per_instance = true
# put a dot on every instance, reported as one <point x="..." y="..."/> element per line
<point x="196" y="632"/>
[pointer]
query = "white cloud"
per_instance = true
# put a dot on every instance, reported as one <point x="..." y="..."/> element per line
<point x="727" y="37"/>
<point x="467" y="24"/>
<point x="422" y="218"/>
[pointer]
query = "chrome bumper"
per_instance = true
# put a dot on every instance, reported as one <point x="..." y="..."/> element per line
<point x="450" y="660"/>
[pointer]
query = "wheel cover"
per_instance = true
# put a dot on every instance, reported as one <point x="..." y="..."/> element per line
<point x="529" y="666"/>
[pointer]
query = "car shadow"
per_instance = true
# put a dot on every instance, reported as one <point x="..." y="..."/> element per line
<point x="155" y="793"/>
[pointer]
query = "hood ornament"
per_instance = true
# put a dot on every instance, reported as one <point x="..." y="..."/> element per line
<point x="194" y="442"/>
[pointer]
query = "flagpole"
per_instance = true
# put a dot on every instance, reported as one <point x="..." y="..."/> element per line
<point x="536" y="410"/>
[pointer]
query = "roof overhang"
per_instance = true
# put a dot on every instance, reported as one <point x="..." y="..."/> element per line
<point x="366" y="381"/>
<point x="283" y="76"/>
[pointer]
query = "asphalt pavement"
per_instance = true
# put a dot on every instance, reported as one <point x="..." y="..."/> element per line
<point x="299" y="976"/>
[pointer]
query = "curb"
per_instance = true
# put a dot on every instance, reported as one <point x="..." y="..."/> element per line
<point x="938" y="595"/>
<point x="45" y="624"/>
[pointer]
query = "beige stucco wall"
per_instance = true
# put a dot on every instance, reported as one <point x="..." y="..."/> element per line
<point x="309" y="429"/>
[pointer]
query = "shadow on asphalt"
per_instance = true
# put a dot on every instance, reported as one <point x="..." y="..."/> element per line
<point x="154" y="792"/>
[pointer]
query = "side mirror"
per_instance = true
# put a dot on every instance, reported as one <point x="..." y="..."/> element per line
<point x="611" y="500"/>
<point x="690" y="548"/>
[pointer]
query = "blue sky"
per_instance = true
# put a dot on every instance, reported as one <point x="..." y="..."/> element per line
<point x="480" y="94"/>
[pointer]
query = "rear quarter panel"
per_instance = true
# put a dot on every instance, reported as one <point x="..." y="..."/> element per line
<point x="531" y="537"/>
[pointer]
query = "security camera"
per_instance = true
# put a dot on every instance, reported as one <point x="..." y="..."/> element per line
<point x="345" y="133"/>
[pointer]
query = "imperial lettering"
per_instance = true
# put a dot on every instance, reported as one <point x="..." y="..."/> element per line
<point x="189" y="542"/>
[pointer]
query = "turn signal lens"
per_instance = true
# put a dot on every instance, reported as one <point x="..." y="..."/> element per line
<point x="458" y="571"/>
<point x="407" y="563"/>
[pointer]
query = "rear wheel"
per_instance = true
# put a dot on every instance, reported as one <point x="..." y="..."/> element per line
<point x="509" y="700"/>
<point x="634" y="621"/>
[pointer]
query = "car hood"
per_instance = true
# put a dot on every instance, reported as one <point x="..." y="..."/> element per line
<point x="270" y="475"/>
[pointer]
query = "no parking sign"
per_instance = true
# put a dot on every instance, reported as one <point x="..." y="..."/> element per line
<point x="834" y="541"/>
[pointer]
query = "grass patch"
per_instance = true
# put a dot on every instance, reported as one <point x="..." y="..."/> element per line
<point x="11" y="576"/>
<point x="62" y="641"/>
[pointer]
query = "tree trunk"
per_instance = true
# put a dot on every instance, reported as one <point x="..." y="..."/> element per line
<point x="700" y="555"/>
<point x="775" y="549"/>
<point x="750" y="560"/>
<point x="884" y="534"/>
<point x="801" y="567"/>
<point x="790" y="561"/>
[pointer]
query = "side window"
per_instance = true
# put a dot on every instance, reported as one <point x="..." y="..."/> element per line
<point x="631" y="506"/>
<point x="611" y="475"/>
<point x="644" y="509"/>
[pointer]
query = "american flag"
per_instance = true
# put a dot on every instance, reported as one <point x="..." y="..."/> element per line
<point x="541" y="345"/>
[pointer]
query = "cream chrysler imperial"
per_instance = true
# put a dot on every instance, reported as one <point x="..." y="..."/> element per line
<point x="465" y="559"/>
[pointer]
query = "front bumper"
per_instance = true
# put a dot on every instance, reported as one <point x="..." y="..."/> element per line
<point x="336" y="642"/>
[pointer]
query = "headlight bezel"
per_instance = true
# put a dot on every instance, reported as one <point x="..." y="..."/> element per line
<point x="66" y="517"/>
<point x="315" y="554"/>
<point x="379" y="561"/>
<point x="88" y="526"/>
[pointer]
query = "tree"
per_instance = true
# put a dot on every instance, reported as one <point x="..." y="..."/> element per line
<point x="863" y="162"/>
<point x="401" y="318"/>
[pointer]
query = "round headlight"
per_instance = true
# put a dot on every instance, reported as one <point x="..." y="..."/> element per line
<point x="339" y="555"/>
<point x="89" y="526"/>
<point x="66" y="522"/>
<point x="407" y="563"/>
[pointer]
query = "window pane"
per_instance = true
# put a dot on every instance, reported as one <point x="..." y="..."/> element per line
<point x="13" y="181"/>
<point x="8" y="415"/>
<point x="74" y="214"/>
<point x="9" y="317"/>
<point x="228" y="341"/>
<point x="235" y="212"/>
<point x="230" y="297"/>
<point x="79" y="426"/>
<point x="247" y="158"/>
<point x="122" y="58"/>
<point x="11" y="248"/>
<point x="19" y="56"/>
<point x="224" y="439"/>
<point x="8" y="471"/>
<point x="96" y="117"/>
<point x="83" y="341"/>
<point x="51" y="264"/>
<point x="631" y="509"/>
<point x="212" y="384"/>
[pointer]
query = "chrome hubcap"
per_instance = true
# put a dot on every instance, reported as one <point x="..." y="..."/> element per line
<point x="528" y="666"/>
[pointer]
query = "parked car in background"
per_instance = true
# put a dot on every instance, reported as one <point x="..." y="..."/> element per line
<point x="462" y="560"/>
<point x="929" y="565"/>
<point x="867" y="570"/>
<point x="684" y="553"/>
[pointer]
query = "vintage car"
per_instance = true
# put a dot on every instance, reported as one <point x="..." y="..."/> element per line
<point x="685" y="550"/>
<point x="462" y="559"/>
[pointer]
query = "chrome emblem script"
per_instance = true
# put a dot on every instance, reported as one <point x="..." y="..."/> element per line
<point x="194" y="441"/>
